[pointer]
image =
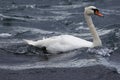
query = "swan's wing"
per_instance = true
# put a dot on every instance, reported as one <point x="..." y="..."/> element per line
<point x="65" y="43"/>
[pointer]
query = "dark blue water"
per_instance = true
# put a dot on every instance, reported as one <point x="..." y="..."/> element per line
<point x="36" y="19"/>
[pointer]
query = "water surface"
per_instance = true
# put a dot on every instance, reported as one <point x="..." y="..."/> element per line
<point x="36" y="19"/>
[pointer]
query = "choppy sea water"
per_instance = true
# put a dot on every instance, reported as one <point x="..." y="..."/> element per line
<point x="37" y="19"/>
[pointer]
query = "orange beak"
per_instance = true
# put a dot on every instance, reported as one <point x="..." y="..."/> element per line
<point x="98" y="13"/>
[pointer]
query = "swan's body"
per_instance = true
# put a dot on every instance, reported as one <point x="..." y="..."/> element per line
<point x="65" y="43"/>
<point x="61" y="43"/>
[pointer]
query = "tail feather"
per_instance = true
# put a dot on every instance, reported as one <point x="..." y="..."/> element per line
<point x="30" y="42"/>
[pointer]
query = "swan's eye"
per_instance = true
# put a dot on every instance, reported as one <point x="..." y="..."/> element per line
<point x="95" y="10"/>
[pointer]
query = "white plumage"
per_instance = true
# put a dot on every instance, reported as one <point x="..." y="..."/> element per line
<point x="61" y="43"/>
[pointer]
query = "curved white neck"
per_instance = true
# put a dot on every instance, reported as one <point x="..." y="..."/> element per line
<point x="96" y="38"/>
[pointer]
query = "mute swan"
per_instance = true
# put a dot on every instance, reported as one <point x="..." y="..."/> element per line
<point x="65" y="43"/>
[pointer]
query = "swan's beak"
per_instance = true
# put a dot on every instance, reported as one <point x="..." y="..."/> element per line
<point x="98" y="13"/>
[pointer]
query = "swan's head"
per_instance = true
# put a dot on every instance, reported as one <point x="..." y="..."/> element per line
<point x="92" y="10"/>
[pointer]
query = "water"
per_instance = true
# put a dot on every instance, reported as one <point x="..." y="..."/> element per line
<point x="37" y="19"/>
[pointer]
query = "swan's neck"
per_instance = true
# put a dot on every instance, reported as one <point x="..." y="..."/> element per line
<point x="96" y="38"/>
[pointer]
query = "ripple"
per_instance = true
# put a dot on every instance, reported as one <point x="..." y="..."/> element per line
<point x="13" y="17"/>
<point x="110" y="11"/>
<point x="33" y="30"/>
<point x="66" y="7"/>
<point x="4" y="35"/>
<point x="81" y="63"/>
